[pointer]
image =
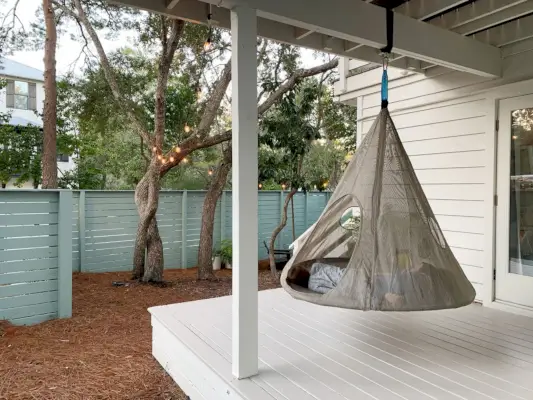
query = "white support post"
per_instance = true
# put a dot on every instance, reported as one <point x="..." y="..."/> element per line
<point x="244" y="200"/>
<point x="344" y="68"/>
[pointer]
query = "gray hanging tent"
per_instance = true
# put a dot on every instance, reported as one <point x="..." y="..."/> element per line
<point x="377" y="244"/>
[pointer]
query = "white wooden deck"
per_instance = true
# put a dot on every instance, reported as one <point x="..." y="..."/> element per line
<point x="308" y="352"/>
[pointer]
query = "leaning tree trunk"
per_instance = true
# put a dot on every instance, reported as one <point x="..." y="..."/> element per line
<point x="276" y="232"/>
<point x="205" y="249"/>
<point x="148" y="244"/>
<point x="49" y="159"/>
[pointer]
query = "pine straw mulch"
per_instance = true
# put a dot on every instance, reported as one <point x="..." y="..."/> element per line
<point x="104" y="350"/>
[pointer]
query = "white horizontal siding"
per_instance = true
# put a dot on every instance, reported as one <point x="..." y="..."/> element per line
<point x="447" y="145"/>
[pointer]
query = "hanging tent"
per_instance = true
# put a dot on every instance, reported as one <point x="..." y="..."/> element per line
<point x="377" y="244"/>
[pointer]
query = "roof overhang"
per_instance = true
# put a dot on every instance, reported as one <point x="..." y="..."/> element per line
<point x="350" y="28"/>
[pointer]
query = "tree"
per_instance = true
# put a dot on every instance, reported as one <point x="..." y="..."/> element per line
<point x="172" y="37"/>
<point x="49" y="157"/>
<point x="287" y="134"/>
<point x="279" y="75"/>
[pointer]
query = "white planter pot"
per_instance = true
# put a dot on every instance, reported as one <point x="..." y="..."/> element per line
<point x="228" y="265"/>
<point x="217" y="263"/>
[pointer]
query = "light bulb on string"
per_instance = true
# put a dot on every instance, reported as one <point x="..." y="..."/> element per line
<point x="187" y="128"/>
<point x="207" y="43"/>
<point x="164" y="161"/>
<point x="171" y="159"/>
<point x="159" y="157"/>
<point x="154" y="149"/>
<point x="283" y="186"/>
<point x="210" y="172"/>
<point x="185" y="160"/>
<point x="260" y="186"/>
<point x="177" y="149"/>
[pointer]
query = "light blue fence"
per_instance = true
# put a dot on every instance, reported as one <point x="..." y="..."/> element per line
<point x="35" y="255"/>
<point x="106" y="222"/>
<point x="45" y="235"/>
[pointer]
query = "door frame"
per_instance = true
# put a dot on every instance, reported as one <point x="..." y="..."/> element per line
<point x="493" y="98"/>
<point x="505" y="281"/>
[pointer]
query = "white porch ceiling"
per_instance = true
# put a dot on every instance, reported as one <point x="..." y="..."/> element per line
<point x="467" y="35"/>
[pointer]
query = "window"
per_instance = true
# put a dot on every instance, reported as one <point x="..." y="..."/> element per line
<point x="62" y="157"/>
<point x="22" y="95"/>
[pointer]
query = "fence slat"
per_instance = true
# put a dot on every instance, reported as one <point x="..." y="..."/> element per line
<point x="65" y="255"/>
<point x="184" y="229"/>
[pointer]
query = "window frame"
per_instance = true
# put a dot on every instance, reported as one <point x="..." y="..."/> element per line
<point x="26" y="95"/>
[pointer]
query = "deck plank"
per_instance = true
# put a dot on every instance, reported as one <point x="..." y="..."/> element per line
<point x="429" y="380"/>
<point x="308" y="352"/>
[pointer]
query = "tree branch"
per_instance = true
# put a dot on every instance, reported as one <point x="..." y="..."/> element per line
<point x="213" y="104"/>
<point x="192" y="144"/>
<point x="169" y="46"/>
<point x="106" y="66"/>
<point x="197" y="142"/>
<point x="292" y="81"/>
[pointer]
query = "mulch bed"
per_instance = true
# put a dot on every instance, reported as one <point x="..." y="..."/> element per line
<point x="104" y="351"/>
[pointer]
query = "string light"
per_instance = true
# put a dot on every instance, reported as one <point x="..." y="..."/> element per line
<point x="210" y="172"/>
<point x="283" y="186"/>
<point x="154" y="149"/>
<point x="187" y="128"/>
<point x="325" y="185"/>
<point x="207" y="44"/>
<point x="164" y="160"/>
<point x="159" y="157"/>
<point x="177" y="149"/>
<point x="515" y="137"/>
<point x="171" y="159"/>
<point x="260" y="186"/>
<point x="185" y="160"/>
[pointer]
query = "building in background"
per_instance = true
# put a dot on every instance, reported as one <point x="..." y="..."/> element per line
<point x="23" y="99"/>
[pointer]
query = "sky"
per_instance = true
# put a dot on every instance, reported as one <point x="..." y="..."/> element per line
<point x="68" y="50"/>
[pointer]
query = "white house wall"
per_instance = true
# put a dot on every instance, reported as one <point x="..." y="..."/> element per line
<point x="26" y="114"/>
<point x="446" y="120"/>
<point x="34" y="117"/>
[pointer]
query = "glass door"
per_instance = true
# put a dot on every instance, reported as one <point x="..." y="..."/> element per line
<point x="514" y="217"/>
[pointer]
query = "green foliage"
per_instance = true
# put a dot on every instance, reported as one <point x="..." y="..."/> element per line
<point x="287" y="133"/>
<point x="323" y="164"/>
<point x="339" y="121"/>
<point x="21" y="154"/>
<point x="226" y="251"/>
<point x="305" y="140"/>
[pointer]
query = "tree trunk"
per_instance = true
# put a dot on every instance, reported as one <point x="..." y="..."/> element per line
<point x="148" y="244"/>
<point x="205" y="249"/>
<point x="49" y="159"/>
<point x="276" y="232"/>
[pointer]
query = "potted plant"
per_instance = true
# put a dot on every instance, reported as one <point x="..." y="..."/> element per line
<point x="226" y="252"/>
<point x="217" y="260"/>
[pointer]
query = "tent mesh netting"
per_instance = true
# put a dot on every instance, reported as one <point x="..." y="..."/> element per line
<point x="377" y="244"/>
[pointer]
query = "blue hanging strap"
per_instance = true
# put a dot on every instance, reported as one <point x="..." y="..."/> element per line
<point x="386" y="52"/>
<point x="384" y="88"/>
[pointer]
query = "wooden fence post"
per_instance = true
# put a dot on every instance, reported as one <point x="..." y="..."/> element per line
<point x="280" y="236"/>
<point x="306" y="219"/>
<point x="184" y="229"/>
<point x="81" y="224"/>
<point x="223" y="216"/>
<point x="64" y="281"/>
